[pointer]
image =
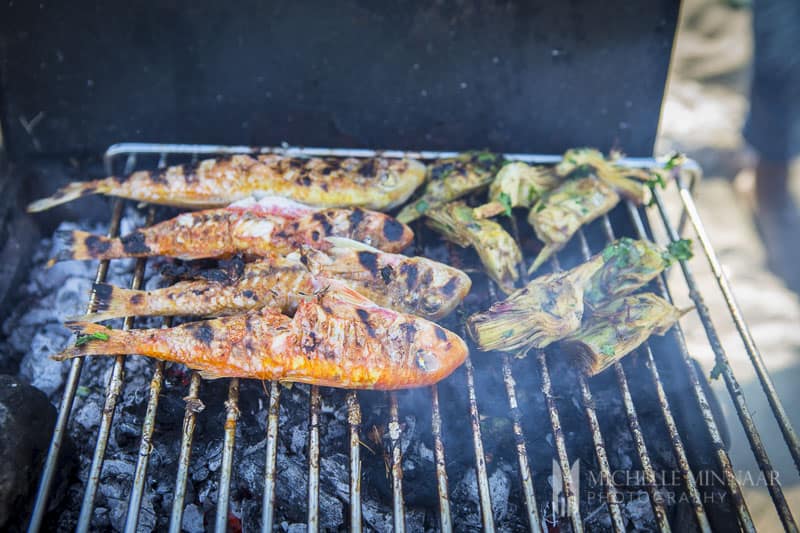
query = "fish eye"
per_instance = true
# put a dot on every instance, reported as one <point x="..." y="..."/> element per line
<point x="430" y="303"/>
<point x="387" y="180"/>
<point x="426" y="361"/>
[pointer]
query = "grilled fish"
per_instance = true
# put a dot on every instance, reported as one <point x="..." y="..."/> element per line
<point x="270" y="225"/>
<point x="451" y="179"/>
<point x="415" y="285"/>
<point x="617" y="329"/>
<point x="498" y="251"/>
<point x="372" y="183"/>
<point x="337" y="338"/>
<point x="561" y="212"/>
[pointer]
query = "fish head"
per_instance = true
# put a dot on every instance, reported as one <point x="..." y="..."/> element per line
<point x="398" y="179"/>
<point x="425" y="353"/>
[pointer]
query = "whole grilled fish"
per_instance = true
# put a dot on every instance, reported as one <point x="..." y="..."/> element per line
<point x="270" y="225"/>
<point x="337" y="338"/>
<point x="414" y="285"/>
<point x="373" y="183"/>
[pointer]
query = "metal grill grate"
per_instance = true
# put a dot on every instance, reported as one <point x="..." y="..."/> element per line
<point x="533" y="503"/>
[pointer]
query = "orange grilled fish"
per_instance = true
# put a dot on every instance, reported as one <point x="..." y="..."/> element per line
<point x="414" y="285"/>
<point x="338" y="338"/>
<point x="373" y="183"/>
<point x="270" y="225"/>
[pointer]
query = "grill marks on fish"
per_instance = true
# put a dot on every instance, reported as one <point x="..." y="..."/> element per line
<point x="135" y="243"/>
<point x="369" y="261"/>
<point x="97" y="246"/>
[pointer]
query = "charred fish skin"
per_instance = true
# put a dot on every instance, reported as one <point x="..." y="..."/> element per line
<point x="452" y="178"/>
<point x="337" y="338"/>
<point x="372" y="183"/>
<point x="272" y="225"/>
<point x="412" y="285"/>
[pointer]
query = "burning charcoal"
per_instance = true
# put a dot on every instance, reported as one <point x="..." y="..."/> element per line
<point x="37" y="367"/>
<point x="192" y="519"/>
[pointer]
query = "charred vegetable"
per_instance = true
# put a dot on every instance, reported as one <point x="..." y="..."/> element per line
<point x="561" y="212"/>
<point x="629" y="264"/>
<point x="619" y="328"/>
<point x="450" y="179"/>
<point x="547" y="309"/>
<point x="498" y="251"/>
<point x="629" y="182"/>
<point x="517" y="184"/>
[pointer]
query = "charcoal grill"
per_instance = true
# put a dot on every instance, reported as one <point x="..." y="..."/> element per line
<point x="536" y="373"/>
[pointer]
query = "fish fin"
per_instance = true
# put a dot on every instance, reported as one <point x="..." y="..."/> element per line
<point x="67" y="194"/>
<point x="107" y="341"/>
<point x="82" y="245"/>
<point x="210" y="374"/>
<point x="350" y="244"/>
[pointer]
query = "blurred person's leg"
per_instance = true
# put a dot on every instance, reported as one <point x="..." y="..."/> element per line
<point x="773" y="130"/>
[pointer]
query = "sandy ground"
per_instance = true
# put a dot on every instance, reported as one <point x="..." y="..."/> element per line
<point x="705" y="106"/>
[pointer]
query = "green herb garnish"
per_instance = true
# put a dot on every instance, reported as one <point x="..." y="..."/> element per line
<point x="607" y="349"/>
<point x="505" y="199"/>
<point x="83" y="391"/>
<point x="83" y="339"/>
<point x="717" y="371"/>
<point x="674" y="160"/>
<point x="421" y="206"/>
<point x="540" y="207"/>
<point x="681" y="249"/>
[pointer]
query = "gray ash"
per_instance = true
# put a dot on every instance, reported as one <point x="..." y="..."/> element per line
<point x="35" y="331"/>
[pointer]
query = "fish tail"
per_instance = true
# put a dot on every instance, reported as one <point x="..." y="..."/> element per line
<point x="114" y="302"/>
<point x="105" y="341"/>
<point x="68" y="193"/>
<point x="82" y="245"/>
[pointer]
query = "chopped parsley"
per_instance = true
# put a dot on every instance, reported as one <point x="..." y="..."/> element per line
<point x="507" y="334"/>
<point x="717" y="371"/>
<point x="505" y="199"/>
<point x="83" y="339"/>
<point x="674" y="160"/>
<point x="607" y="349"/>
<point x="681" y="250"/>
<point x="421" y="206"/>
<point x="540" y="206"/>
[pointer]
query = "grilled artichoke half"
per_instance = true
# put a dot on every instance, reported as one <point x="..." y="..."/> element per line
<point x="547" y="309"/>
<point x="629" y="264"/>
<point x="450" y="179"/>
<point x="561" y="212"/>
<point x="517" y="184"/>
<point x="497" y="250"/>
<point x="617" y="329"/>
<point x="631" y="183"/>
<point x="552" y="306"/>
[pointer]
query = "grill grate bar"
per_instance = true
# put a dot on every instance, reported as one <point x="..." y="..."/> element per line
<point x="561" y="447"/>
<point x="135" y="501"/>
<point x="270" y="476"/>
<point x="732" y="384"/>
<point x="193" y="406"/>
<point x="231" y="416"/>
<point x="354" y="421"/>
<point x="398" y="510"/>
<point x="445" y="522"/>
<point x="113" y="390"/>
<point x="630" y="411"/>
<point x="522" y="451"/>
<point x="745" y="519"/>
<point x="65" y="408"/>
<point x="313" y="459"/>
<point x="519" y="437"/>
<point x="789" y="434"/>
